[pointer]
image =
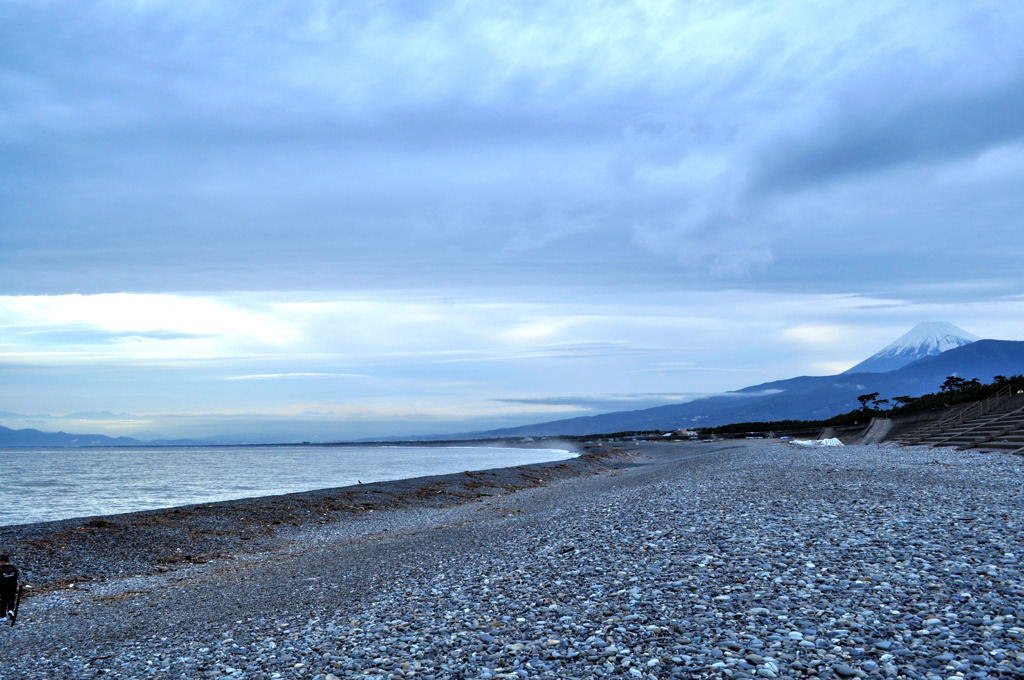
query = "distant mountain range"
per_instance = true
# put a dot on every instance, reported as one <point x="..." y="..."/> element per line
<point x="921" y="360"/>
<point x="812" y="397"/>
<point x="30" y="437"/>
<point x="9" y="437"/>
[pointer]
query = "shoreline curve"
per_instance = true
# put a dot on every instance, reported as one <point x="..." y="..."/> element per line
<point x="60" y="553"/>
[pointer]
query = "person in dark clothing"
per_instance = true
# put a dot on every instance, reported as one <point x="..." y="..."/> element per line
<point x="8" y="586"/>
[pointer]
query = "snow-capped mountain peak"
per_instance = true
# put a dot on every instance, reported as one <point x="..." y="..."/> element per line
<point x="923" y="340"/>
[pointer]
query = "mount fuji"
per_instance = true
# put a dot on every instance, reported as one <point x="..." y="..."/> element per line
<point x="920" y="361"/>
<point x="922" y="365"/>
<point x="923" y="340"/>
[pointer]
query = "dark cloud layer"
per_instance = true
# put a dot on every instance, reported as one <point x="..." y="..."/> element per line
<point x="313" y="145"/>
<point x="872" y="137"/>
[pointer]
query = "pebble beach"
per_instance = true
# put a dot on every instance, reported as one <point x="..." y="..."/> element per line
<point x="732" y="559"/>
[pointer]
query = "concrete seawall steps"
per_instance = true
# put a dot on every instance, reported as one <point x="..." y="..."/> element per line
<point x="996" y="429"/>
<point x="877" y="431"/>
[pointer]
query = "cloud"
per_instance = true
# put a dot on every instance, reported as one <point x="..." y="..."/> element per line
<point x="470" y="202"/>
<point x="817" y="335"/>
<point x="155" y="146"/>
<point x="379" y="365"/>
<point x="866" y="137"/>
<point x="603" y="403"/>
<point x="86" y="335"/>
<point x="287" y="376"/>
<point x="156" y="316"/>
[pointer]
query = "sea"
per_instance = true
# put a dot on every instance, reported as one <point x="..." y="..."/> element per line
<point x="44" y="484"/>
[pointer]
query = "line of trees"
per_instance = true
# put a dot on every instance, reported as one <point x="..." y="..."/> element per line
<point x="953" y="391"/>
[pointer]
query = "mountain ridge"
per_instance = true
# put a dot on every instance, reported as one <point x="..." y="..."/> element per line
<point x="799" y="398"/>
<point x="32" y="437"/>
<point x="926" y="339"/>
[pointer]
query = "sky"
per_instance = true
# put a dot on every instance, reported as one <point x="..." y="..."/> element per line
<point x="316" y="220"/>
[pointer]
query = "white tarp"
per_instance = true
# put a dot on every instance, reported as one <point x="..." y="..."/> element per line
<point x="817" y="442"/>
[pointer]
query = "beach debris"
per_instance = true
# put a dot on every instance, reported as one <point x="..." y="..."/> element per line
<point x="833" y="441"/>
